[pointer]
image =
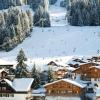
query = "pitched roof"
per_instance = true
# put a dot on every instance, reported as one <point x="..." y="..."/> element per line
<point x="68" y="81"/>
<point x="20" y="84"/>
<point x="3" y="70"/>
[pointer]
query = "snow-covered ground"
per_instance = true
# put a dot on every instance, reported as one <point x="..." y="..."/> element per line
<point x="60" y="39"/>
<point x="61" y="98"/>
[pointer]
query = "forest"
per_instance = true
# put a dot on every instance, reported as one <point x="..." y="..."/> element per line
<point x="16" y="23"/>
<point x="84" y="13"/>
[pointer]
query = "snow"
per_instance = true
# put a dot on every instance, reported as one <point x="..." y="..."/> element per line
<point x="62" y="98"/>
<point x="98" y="92"/>
<point x="9" y="82"/>
<point x="3" y="69"/>
<point x="53" y="42"/>
<point x="39" y="92"/>
<point x="98" y="67"/>
<point x="5" y="62"/>
<point x="74" y="83"/>
<point x="57" y="16"/>
<point x="69" y="81"/>
<point x="60" y="40"/>
<point x="22" y="84"/>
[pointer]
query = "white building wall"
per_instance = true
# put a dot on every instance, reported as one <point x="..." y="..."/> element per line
<point x="16" y="97"/>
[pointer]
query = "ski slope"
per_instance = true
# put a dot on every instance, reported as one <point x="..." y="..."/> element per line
<point x="60" y="39"/>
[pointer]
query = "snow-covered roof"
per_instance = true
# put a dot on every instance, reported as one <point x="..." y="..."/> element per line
<point x="9" y="82"/>
<point x="68" y="81"/>
<point x="20" y="84"/>
<point x="77" y="60"/>
<point x="58" y="63"/>
<point x="39" y="92"/>
<point x="71" y="68"/>
<point x="97" y="67"/>
<point x="3" y="69"/>
<point x="74" y="83"/>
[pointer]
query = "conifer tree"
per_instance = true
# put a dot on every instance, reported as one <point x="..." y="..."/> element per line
<point x="49" y="75"/>
<point x="21" y="70"/>
<point x="35" y="75"/>
<point x="41" y="17"/>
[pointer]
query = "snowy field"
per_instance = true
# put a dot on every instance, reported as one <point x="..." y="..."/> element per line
<point x="60" y="39"/>
<point x="62" y="98"/>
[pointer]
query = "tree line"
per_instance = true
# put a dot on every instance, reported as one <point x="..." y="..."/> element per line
<point x="5" y="4"/>
<point x="84" y="13"/>
<point x="16" y="24"/>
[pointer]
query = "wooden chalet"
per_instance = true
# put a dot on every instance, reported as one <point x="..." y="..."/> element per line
<point x="65" y="87"/>
<point x="56" y="63"/>
<point x="16" y="89"/>
<point x="52" y="63"/>
<point x="88" y="71"/>
<point x="3" y="73"/>
<point x="94" y="72"/>
<point x="82" y="66"/>
<point x="60" y="73"/>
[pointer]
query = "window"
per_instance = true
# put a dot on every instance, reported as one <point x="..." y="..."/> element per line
<point x="3" y="88"/>
<point x="69" y="91"/>
<point x="6" y="95"/>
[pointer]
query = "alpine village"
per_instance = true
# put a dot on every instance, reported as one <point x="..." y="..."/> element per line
<point x="77" y="78"/>
<point x="49" y="49"/>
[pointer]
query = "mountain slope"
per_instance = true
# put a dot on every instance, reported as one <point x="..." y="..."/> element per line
<point x="59" y="40"/>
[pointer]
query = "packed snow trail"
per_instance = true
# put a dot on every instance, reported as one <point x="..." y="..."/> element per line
<point x="57" y="15"/>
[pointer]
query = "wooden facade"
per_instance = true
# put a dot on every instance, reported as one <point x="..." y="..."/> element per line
<point x="5" y="87"/>
<point x="94" y="72"/>
<point x="62" y="88"/>
<point x="88" y="71"/>
<point x="59" y="74"/>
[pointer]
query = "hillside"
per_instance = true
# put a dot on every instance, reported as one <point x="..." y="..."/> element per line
<point x="60" y="39"/>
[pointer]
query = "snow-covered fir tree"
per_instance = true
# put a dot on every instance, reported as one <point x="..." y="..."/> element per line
<point x="84" y="12"/>
<point x="41" y="17"/>
<point x="36" y="76"/>
<point x="21" y="70"/>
